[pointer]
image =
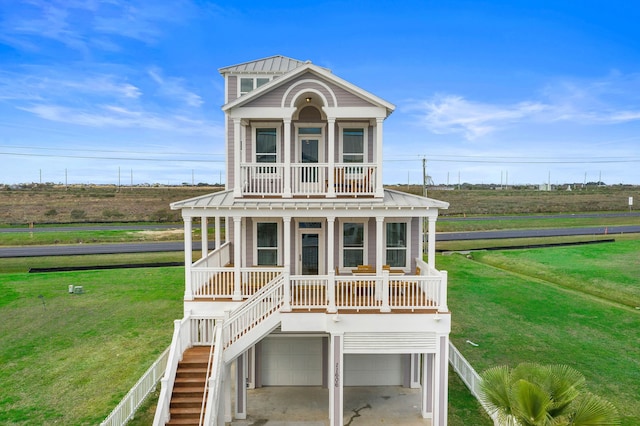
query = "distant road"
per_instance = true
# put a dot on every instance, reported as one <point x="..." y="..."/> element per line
<point x="79" y="249"/>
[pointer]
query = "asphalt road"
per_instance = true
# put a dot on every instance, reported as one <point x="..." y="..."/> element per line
<point x="79" y="249"/>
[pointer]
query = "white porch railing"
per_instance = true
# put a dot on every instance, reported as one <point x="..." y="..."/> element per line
<point x="267" y="179"/>
<point x="218" y="282"/>
<point x="263" y="303"/>
<point x="188" y="332"/>
<point x="262" y="178"/>
<point x="219" y="257"/>
<point x="309" y="178"/>
<point x="127" y="407"/>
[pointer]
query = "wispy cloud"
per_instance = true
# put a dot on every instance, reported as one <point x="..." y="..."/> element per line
<point x="109" y="116"/>
<point x="91" y="24"/>
<point x="611" y="100"/>
<point x="175" y="88"/>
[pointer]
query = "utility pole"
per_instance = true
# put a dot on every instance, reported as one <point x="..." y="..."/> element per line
<point x="424" y="177"/>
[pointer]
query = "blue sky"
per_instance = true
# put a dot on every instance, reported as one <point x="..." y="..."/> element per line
<point x="487" y="91"/>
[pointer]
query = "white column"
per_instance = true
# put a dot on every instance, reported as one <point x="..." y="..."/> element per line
<point x="331" y="141"/>
<point x="336" y="387"/>
<point x="414" y="371"/>
<point x="241" y="387"/>
<point x="380" y="257"/>
<point x="431" y="245"/>
<point x="188" y="257"/>
<point x="331" y="284"/>
<point x="286" y="253"/>
<point x="237" y="158"/>
<point x="379" y="188"/>
<point x="440" y="385"/>
<point x="237" y="259"/>
<point x="204" y="236"/>
<point x="288" y="146"/>
<point x="421" y="222"/>
<point x="217" y="232"/>
<point x="426" y="396"/>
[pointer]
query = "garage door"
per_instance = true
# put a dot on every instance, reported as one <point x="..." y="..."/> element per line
<point x="292" y="361"/>
<point x="372" y="370"/>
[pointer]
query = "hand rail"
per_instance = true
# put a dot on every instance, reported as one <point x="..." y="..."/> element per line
<point x="175" y="354"/>
<point x="211" y="397"/>
<point x="251" y="313"/>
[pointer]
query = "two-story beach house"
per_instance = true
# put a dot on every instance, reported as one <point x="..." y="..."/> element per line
<point x="314" y="273"/>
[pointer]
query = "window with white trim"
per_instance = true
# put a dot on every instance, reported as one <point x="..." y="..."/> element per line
<point x="266" y="145"/>
<point x="266" y="243"/>
<point x="247" y="84"/>
<point x="353" y="143"/>
<point x="397" y="244"/>
<point x="353" y="240"/>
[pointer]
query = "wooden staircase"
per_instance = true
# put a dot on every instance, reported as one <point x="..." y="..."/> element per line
<point x="188" y="388"/>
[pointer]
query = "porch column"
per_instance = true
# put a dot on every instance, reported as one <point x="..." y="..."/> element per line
<point x="440" y="385"/>
<point x="331" y="284"/>
<point x="331" y="152"/>
<point x="237" y="291"/>
<point x="241" y="387"/>
<point x="378" y="142"/>
<point x="286" y="253"/>
<point x="204" y="237"/>
<point x="431" y="247"/>
<point x="288" y="146"/>
<point x="237" y="157"/>
<point x="379" y="244"/>
<point x="336" y="387"/>
<point x="426" y="396"/>
<point x="217" y="232"/>
<point x="421" y="222"/>
<point x="188" y="257"/>
<point x="414" y="371"/>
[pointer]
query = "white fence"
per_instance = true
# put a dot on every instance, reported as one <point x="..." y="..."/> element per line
<point x="125" y="410"/>
<point x="468" y="375"/>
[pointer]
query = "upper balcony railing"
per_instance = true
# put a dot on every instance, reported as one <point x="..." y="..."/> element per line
<point x="309" y="179"/>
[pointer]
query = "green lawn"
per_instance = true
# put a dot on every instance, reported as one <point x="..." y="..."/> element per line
<point x="514" y="318"/>
<point x="540" y="222"/>
<point x="69" y="359"/>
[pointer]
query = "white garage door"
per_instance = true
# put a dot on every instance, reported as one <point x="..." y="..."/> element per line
<point x="292" y="361"/>
<point x="372" y="370"/>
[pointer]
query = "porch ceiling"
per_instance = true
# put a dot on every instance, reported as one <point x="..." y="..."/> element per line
<point x="392" y="201"/>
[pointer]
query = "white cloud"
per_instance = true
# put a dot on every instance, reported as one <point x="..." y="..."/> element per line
<point x="106" y="116"/>
<point x="174" y="88"/>
<point x="610" y="100"/>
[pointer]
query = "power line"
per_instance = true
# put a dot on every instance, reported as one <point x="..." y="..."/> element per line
<point x="87" y="157"/>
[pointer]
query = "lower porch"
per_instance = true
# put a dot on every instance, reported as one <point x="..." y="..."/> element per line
<point x="307" y="406"/>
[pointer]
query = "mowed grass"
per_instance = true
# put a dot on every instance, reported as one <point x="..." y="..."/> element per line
<point x="69" y="359"/>
<point x="530" y="222"/>
<point x="514" y="317"/>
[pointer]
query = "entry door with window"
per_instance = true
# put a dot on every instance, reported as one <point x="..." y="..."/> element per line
<point x="311" y="153"/>
<point x="310" y="248"/>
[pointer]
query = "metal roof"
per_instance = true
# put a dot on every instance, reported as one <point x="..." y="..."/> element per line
<point x="392" y="200"/>
<point x="272" y="64"/>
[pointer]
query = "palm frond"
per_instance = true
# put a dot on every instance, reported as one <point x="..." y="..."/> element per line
<point x="591" y="410"/>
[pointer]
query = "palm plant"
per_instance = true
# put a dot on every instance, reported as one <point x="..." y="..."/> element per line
<point x="543" y="395"/>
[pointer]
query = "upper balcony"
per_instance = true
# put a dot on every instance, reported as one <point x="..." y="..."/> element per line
<point x="309" y="180"/>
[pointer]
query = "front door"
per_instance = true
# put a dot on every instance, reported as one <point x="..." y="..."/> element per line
<point x="310" y="244"/>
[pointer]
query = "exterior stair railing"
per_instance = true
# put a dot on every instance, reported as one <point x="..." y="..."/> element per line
<point x="211" y="400"/>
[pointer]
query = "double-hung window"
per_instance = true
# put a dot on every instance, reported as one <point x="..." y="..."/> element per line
<point x="248" y="84"/>
<point x="266" y="145"/>
<point x="353" y="244"/>
<point x="267" y="243"/>
<point x="396" y="241"/>
<point x="352" y="145"/>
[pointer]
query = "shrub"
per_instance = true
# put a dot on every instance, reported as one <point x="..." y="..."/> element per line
<point x="78" y="214"/>
<point x="51" y="212"/>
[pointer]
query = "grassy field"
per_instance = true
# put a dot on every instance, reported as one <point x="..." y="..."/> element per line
<point x="68" y="359"/>
<point x="524" y="305"/>
<point x="41" y="204"/>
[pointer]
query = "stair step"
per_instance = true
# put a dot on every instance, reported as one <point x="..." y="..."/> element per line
<point x="183" y="422"/>
<point x="188" y="392"/>
<point x="186" y="401"/>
